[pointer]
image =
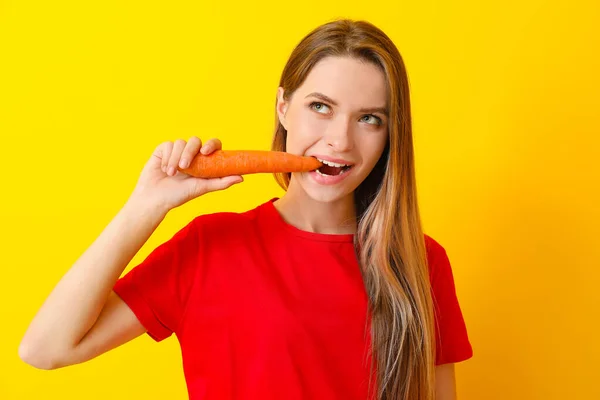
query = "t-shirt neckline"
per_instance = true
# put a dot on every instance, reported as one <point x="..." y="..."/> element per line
<point x="323" y="237"/>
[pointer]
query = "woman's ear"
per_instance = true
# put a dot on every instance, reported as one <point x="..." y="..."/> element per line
<point x="282" y="106"/>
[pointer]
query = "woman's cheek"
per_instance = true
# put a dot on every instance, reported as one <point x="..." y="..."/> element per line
<point x="313" y="127"/>
<point x="306" y="130"/>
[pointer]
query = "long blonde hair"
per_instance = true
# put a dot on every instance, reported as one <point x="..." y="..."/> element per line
<point x="390" y="242"/>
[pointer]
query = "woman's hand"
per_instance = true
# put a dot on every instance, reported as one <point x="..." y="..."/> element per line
<point x="162" y="185"/>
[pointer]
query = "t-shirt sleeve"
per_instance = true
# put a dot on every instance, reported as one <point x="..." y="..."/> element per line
<point x="157" y="289"/>
<point x="452" y="341"/>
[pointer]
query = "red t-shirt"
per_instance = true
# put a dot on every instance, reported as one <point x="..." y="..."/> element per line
<point x="264" y="310"/>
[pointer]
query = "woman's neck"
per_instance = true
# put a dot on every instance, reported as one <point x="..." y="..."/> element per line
<point x="308" y="214"/>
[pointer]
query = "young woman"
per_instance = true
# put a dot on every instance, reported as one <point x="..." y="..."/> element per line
<point x="330" y="292"/>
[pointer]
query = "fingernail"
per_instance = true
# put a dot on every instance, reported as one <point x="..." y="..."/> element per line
<point x="171" y="170"/>
<point x="183" y="163"/>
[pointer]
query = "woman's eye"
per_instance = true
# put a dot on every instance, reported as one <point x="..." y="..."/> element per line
<point x="319" y="107"/>
<point x="371" y="119"/>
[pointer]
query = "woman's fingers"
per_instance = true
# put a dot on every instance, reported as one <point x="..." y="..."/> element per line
<point x="166" y="150"/>
<point x="191" y="150"/>
<point x="210" y="146"/>
<point x="178" y="147"/>
<point x="179" y="154"/>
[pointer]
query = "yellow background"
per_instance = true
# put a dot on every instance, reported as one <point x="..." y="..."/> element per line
<point x="505" y="106"/>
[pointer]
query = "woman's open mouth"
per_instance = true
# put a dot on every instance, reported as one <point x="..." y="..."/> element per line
<point x="330" y="172"/>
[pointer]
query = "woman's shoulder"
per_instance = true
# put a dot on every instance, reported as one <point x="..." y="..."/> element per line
<point x="433" y="247"/>
<point x="437" y="258"/>
<point x="226" y="223"/>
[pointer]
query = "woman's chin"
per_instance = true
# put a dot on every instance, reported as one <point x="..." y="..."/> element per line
<point x="323" y="193"/>
<point x="327" y="194"/>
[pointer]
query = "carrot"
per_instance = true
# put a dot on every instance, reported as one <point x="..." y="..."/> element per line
<point x="222" y="163"/>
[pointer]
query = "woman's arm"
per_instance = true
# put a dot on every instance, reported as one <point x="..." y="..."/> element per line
<point x="445" y="383"/>
<point x="61" y="333"/>
<point x="83" y="317"/>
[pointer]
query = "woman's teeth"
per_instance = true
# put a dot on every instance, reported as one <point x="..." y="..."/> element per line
<point x="330" y="168"/>
<point x="332" y="164"/>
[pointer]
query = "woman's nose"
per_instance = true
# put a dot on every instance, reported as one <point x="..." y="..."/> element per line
<point x="339" y="136"/>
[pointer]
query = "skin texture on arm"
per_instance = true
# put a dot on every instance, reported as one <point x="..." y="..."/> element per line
<point x="445" y="382"/>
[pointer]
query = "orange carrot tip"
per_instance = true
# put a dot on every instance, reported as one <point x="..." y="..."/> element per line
<point x="221" y="163"/>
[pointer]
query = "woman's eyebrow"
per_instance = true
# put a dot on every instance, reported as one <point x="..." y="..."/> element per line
<point x="369" y="110"/>
<point x="372" y="110"/>
<point x="322" y="97"/>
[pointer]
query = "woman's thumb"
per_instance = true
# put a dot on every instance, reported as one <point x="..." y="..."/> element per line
<point x="214" y="184"/>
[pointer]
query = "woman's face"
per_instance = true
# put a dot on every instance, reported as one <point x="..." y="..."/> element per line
<point x="337" y="115"/>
